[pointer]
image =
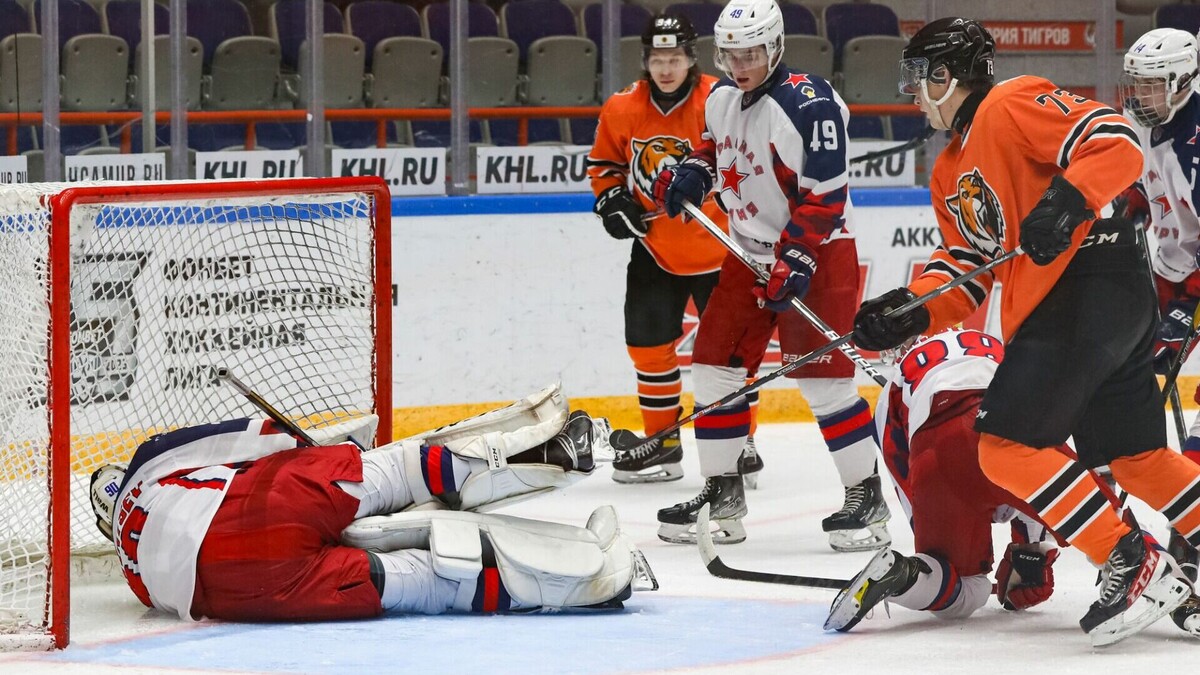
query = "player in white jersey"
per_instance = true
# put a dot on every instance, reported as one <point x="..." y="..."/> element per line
<point x="1158" y="91"/>
<point x="775" y="148"/>
<point x="234" y="521"/>
<point x="925" y="419"/>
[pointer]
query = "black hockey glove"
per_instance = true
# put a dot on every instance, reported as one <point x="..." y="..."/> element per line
<point x="621" y="213"/>
<point x="1172" y="331"/>
<point x="1046" y="231"/>
<point x="689" y="181"/>
<point x="876" y="332"/>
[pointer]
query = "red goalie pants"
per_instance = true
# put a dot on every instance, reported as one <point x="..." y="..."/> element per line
<point x="273" y="551"/>
<point x="952" y="501"/>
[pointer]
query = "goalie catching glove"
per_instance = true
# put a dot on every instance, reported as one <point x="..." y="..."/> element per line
<point x="790" y="277"/>
<point x="1025" y="576"/>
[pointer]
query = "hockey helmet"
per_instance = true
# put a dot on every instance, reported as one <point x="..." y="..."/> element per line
<point x="668" y="31"/>
<point x="1159" y="74"/>
<point x="744" y="24"/>
<point x="963" y="46"/>
<point x="105" y="485"/>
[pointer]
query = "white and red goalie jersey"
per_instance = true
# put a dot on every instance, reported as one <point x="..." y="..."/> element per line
<point x="173" y="487"/>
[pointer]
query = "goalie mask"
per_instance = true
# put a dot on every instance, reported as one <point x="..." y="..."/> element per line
<point x="1159" y="75"/>
<point x="106" y="484"/>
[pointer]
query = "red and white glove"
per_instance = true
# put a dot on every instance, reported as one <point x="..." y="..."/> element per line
<point x="1025" y="576"/>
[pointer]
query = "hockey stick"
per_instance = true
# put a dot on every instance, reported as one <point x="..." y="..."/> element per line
<point x="717" y="567"/>
<point x="911" y="144"/>
<point x="824" y="349"/>
<point x="261" y="403"/>
<point x="763" y="276"/>
<point x="1188" y="341"/>
<point x="1121" y="209"/>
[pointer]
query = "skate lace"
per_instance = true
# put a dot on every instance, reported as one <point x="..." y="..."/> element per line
<point x="643" y="449"/>
<point x="855" y="497"/>
<point x="702" y="498"/>
<point x="1113" y="577"/>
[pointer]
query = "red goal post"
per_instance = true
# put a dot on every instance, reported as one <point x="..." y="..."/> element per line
<point x="119" y="305"/>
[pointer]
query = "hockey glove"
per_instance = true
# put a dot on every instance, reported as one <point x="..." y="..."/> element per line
<point x="1046" y="231"/>
<point x="690" y="180"/>
<point x="1172" y="331"/>
<point x="1025" y="576"/>
<point x="877" y="332"/>
<point x="621" y="213"/>
<point x="790" y="276"/>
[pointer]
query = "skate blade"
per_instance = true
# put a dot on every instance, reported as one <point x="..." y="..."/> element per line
<point x="659" y="473"/>
<point x="602" y="451"/>
<point x="643" y="576"/>
<point x="872" y="537"/>
<point x="1163" y="596"/>
<point x="723" y="532"/>
<point x="846" y="610"/>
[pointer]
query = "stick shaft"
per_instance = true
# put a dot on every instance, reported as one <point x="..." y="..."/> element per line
<point x="261" y="403"/>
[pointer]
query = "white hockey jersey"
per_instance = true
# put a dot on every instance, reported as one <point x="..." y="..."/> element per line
<point x="778" y="156"/>
<point x="955" y="360"/>
<point x="1172" y="153"/>
<point x="174" y="485"/>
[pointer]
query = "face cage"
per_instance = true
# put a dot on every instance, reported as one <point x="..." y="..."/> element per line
<point x="1148" y="99"/>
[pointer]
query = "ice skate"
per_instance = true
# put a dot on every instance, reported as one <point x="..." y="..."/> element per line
<point x="1184" y="553"/>
<point x="726" y="498"/>
<point x="639" y="462"/>
<point x="1187" y="616"/>
<point x="1136" y="569"/>
<point x="749" y="464"/>
<point x="888" y="574"/>
<point x="861" y="524"/>
<point x="570" y="448"/>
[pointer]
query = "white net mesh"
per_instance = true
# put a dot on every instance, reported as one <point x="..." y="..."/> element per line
<point x="163" y="293"/>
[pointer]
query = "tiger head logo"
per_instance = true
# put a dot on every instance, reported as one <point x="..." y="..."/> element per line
<point x="651" y="156"/>
<point x="980" y="218"/>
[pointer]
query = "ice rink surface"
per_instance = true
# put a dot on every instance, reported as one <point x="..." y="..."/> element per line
<point x="694" y="623"/>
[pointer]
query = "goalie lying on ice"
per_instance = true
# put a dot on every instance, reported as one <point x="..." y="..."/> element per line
<point x="233" y="521"/>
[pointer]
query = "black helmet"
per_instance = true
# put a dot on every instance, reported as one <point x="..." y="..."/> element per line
<point x="964" y="46"/>
<point x="667" y="31"/>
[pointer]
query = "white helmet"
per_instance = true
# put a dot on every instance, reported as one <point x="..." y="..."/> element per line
<point x="1159" y="75"/>
<point x="106" y="483"/>
<point x="750" y="23"/>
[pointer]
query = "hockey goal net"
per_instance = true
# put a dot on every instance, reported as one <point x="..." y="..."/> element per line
<point x="118" y="305"/>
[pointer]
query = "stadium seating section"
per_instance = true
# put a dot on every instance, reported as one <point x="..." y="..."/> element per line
<point x="248" y="55"/>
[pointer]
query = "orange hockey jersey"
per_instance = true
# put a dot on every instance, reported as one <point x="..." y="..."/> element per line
<point x="634" y="142"/>
<point x="987" y="180"/>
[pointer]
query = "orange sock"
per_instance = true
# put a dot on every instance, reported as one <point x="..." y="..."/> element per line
<point x="1168" y="482"/>
<point x="1060" y="490"/>
<point x="659" y="385"/>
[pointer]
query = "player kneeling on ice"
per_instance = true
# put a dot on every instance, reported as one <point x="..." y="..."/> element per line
<point x="925" y="420"/>
<point x="233" y="521"/>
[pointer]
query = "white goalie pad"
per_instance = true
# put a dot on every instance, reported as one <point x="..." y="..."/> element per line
<point x="545" y="405"/>
<point x="361" y="429"/>
<point x="546" y="565"/>
<point x="486" y="442"/>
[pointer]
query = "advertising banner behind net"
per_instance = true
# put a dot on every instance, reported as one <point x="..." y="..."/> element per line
<point x="407" y="171"/>
<point x="551" y="168"/>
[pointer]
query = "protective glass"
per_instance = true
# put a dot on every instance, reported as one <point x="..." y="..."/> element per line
<point x="912" y="71"/>
<point x="1146" y="99"/>
<point x="741" y="59"/>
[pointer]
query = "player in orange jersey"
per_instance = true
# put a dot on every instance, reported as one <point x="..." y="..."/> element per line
<point x="649" y="126"/>
<point x="1031" y="164"/>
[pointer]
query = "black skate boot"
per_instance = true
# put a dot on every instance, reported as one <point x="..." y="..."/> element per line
<point x="888" y="574"/>
<point x="1187" y="616"/>
<point x="726" y="497"/>
<point x="638" y="462"/>
<point x="1184" y="553"/>
<point x="570" y="448"/>
<point x="749" y="464"/>
<point x="1135" y="569"/>
<point x="864" y="509"/>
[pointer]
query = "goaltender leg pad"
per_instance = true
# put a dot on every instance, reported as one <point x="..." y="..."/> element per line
<point x="361" y="429"/>
<point x="538" y="564"/>
<point x="532" y="410"/>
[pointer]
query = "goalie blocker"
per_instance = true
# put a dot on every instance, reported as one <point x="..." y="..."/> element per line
<point x="200" y="510"/>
